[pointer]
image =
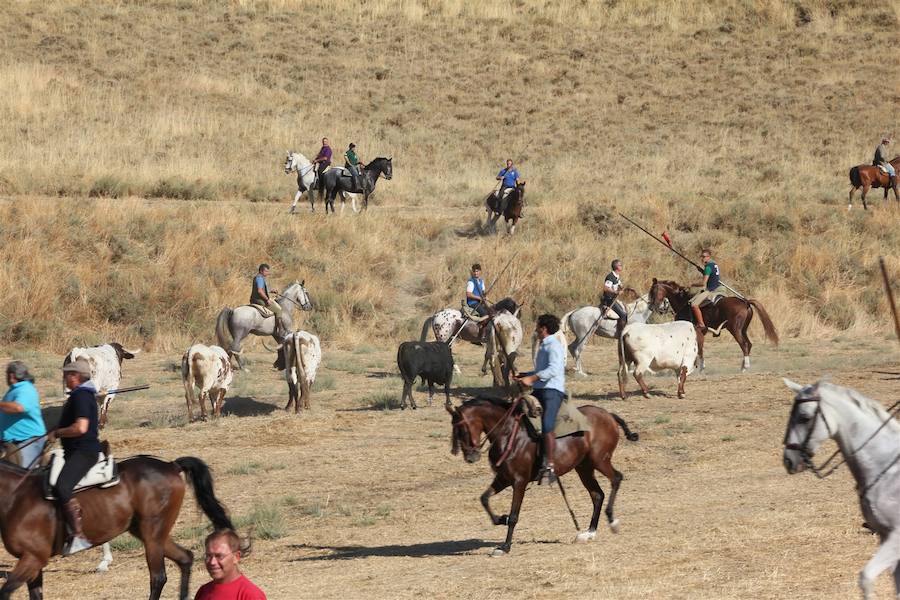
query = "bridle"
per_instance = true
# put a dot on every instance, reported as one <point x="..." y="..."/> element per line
<point x="464" y="424"/>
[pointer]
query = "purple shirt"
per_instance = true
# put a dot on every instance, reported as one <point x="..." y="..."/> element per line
<point x="324" y="155"/>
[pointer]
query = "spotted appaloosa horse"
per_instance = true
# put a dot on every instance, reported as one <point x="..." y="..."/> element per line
<point x="870" y="176"/>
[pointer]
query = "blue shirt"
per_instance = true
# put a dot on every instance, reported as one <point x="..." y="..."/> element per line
<point x="477" y="289"/>
<point x="509" y="177"/>
<point x="549" y="366"/>
<point x="24" y="425"/>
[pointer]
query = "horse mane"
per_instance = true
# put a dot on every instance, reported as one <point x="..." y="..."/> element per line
<point x="675" y="284"/>
<point x="487" y="401"/>
<point x="864" y="403"/>
<point x="507" y="304"/>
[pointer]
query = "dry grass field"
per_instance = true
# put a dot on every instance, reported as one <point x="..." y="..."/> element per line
<point x="141" y="182"/>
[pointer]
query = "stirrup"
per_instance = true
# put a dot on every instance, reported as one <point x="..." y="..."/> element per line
<point x="76" y="544"/>
<point x="547" y="475"/>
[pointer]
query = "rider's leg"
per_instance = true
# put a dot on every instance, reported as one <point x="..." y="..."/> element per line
<point x="550" y="400"/>
<point x="77" y="465"/>
<point x="504" y="198"/>
<point x="623" y="318"/>
<point x="280" y="329"/>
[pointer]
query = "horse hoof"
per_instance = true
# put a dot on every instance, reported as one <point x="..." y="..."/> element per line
<point x="647" y="395"/>
<point x="680" y="395"/>
<point x="585" y="536"/>
<point x="103" y="567"/>
<point x="614" y="526"/>
<point x="498" y="552"/>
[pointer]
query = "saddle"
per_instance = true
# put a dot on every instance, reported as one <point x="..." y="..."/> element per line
<point x="469" y="313"/>
<point x="264" y="311"/>
<point x="104" y="474"/>
<point x="716" y="297"/>
<point x="569" y="421"/>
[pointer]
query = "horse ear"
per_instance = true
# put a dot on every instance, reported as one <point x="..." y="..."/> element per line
<point x="793" y="385"/>
<point x="654" y="281"/>
<point x="390" y="158"/>
<point x="302" y="283"/>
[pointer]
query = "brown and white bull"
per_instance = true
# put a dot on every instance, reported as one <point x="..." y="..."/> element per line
<point x="208" y="368"/>
<point x="106" y="370"/>
<point x="654" y="347"/>
<point x="299" y="356"/>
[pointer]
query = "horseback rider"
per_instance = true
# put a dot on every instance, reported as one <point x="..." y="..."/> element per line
<point x="710" y="285"/>
<point x="476" y="301"/>
<point x="612" y="287"/>
<point x="260" y="295"/>
<point x="548" y="381"/>
<point x="508" y="178"/>
<point x="353" y="163"/>
<point x="78" y="433"/>
<point x="881" y="159"/>
<point x="323" y="158"/>
<point x="20" y="417"/>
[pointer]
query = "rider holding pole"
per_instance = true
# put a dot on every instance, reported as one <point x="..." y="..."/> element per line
<point x="612" y="287"/>
<point x="508" y="178"/>
<point x="710" y="284"/>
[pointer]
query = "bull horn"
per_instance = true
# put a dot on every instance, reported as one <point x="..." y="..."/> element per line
<point x="276" y="349"/>
<point x="138" y="351"/>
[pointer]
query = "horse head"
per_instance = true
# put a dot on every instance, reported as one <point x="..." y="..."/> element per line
<point x="663" y="293"/>
<point x="807" y="427"/>
<point x="289" y="162"/>
<point x="298" y="294"/>
<point x="384" y="166"/>
<point x="465" y="431"/>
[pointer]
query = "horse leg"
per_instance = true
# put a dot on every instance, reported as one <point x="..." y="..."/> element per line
<point x="184" y="558"/>
<point x="850" y="200"/>
<point x="513" y="518"/>
<point x="296" y="199"/>
<point x="498" y="485"/>
<point x="28" y="568"/>
<point x="682" y="377"/>
<point x="154" y="553"/>
<point x="865" y="190"/>
<point x="700" y="363"/>
<point x="615" y="479"/>
<point x="36" y="587"/>
<point x="107" y="559"/>
<point x="585" y="471"/>
<point x="886" y="556"/>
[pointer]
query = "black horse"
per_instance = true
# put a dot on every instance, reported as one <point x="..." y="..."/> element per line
<point x="340" y="181"/>
<point x="515" y="204"/>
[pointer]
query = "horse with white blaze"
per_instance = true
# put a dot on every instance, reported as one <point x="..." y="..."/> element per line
<point x="652" y="347"/>
<point x="208" y="368"/>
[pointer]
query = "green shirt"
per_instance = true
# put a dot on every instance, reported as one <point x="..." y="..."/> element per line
<point x="351" y="157"/>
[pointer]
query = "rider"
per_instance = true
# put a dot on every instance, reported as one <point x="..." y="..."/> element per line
<point x="508" y="178"/>
<point x="612" y="287"/>
<point x="710" y="284"/>
<point x="78" y="432"/>
<point x="353" y="163"/>
<point x="476" y="300"/>
<point x="20" y="417"/>
<point x="259" y="295"/>
<point x="323" y="158"/>
<point x="549" y="386"/>
<point x="881" y="159"/>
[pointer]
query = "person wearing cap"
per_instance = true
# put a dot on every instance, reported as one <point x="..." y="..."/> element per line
<point x="612" y="287"/>
<point x="881" y="159"/>
<point x="77" y="431"/>
<point x="353" y="163"/>
<point x="21" y="422"/>
<point x="508" y="178"/>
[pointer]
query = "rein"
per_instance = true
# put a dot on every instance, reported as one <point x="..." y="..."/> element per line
<point x="464" y="421"/>
<point x="291" y="300"/>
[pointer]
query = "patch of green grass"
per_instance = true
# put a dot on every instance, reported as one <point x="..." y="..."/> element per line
<point x="324" y="383"/>
<point x="437" y="434"/>
<point x="245" y="469"/>
<point x="383" y="511"/>
<point x="364" y="349"/>
<point x="314" y="509"/>
<point x="364" y="521"/>
<point x="125" y="542"/>
<point x="290" y="501"/>
<point x="266" y="522"/>
<point x="344" y="510"/>
<point x="348" y="366"/>
<point x="661" y="419"/>
<point x="728" y="438"/>
<point x="382" y="401"/>
<point x="162" y="420"/>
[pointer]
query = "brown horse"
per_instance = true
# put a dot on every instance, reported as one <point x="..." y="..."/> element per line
<point x="870" y="176"/>
<point x="514" y="456"/>
<point x="515" y="205"/>
<point x="145" y="503"/>
<point x="733" y="313"/>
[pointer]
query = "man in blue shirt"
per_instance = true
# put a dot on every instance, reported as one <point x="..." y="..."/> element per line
<point x="508" y="178"/>
<point x="549" y="382"/>
<point x="261" y="296"/>
<point x="710" y="285"/>
<point x="20" y="417"/>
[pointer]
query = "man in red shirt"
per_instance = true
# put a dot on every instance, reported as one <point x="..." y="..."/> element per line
<point x="223" y="554"/>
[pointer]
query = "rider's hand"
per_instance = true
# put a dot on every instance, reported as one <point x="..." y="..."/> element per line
<point x="51" y="436"/>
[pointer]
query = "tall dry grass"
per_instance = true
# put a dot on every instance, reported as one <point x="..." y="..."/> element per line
<point x="731" y="125"/>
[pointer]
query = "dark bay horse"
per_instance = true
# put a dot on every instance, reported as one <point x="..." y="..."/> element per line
<point x="514" y="456"/>
<point x="340" y="181"/>
<point x="515" y="205"/>
<point x="145" y="503"/>
<point x="870" y="176"/>
<point x="734" y="313"/>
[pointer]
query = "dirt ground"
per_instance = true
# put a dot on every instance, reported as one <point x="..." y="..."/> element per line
<point x="360" y="500"/>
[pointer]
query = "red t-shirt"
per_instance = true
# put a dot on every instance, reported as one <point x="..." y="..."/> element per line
<point x="239" y="589"/>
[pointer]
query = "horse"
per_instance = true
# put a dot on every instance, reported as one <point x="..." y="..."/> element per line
<point x="307" y="179"/>
<point x="868" y="437"/>
<point x="586" y="321"/>
<point x="515" y="460"/>
<point x="870" y="176"/>
<point x="445" y="324"/>
<point x="730" y="312"/>
<point x="338" y="180"/>
<point x="233" y="325"/>
<point x="146" y="503"/>
<point x="515" y="205"/>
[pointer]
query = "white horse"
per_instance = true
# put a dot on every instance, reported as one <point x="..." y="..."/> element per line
<point x="868" y="437"/>
<point x="586" y="321"/>
<point x="307" y="181"/>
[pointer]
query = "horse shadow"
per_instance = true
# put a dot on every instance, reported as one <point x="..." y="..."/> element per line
<point x="444" y="548"/>
<point x="381" y="374"/>
<point x="241" y="406"/>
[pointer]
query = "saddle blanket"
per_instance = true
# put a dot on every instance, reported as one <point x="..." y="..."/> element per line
<point x="713" y="299"/>
<point x="263" y="311"/>
<point x="569" y="421"/>
<point x="104" y="474"/>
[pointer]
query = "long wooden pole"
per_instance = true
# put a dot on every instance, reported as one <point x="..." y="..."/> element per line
<point x="890" y="296"/>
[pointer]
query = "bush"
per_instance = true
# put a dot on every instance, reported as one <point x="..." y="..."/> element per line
<point x="181" y="189"/>
<point x="108" y="186"/>
<point x="599" y="219"/>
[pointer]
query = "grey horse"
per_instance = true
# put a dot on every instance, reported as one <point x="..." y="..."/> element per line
<point x="233" y="325"/>
<point x="586" y="321"/>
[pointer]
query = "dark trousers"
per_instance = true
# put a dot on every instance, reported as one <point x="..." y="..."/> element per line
<point x="616" y="308"/>
<point x="480" y="310"/>
<point x="78" y="463"/>
<point x="551" y="401"/>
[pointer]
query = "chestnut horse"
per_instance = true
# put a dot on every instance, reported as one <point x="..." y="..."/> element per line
<point x="515" y="204"/>
<point x="870" y="176"/>
<point x="733" y="313"/>
<point x="514" y="456"/>
<point x="145" y="503"/>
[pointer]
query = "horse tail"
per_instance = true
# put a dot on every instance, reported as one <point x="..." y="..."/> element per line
<point x="223" y="330"/>
<point x="631" y="436"/>
<point x="425" y="327"/>
<point x="769" y="327"/>
<point x="564" y="322"/>
<point x="855" y="180"/>
<point x="197" y="473"/>
<point x="187" y="377"/>
<point x="300" y="364"/>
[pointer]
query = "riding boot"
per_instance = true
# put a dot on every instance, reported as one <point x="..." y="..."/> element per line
<point x="77" y="542"/>
<point x="548" y="475"/>
<point x="620" y="326"/>
<point x="698" y="316"/>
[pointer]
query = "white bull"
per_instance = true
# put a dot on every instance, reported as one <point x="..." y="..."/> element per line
<point x="302" y="356"/>
<point x="106" y="370"/>
<point x="656" y="347"/>
<point x="209" y="368"/>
